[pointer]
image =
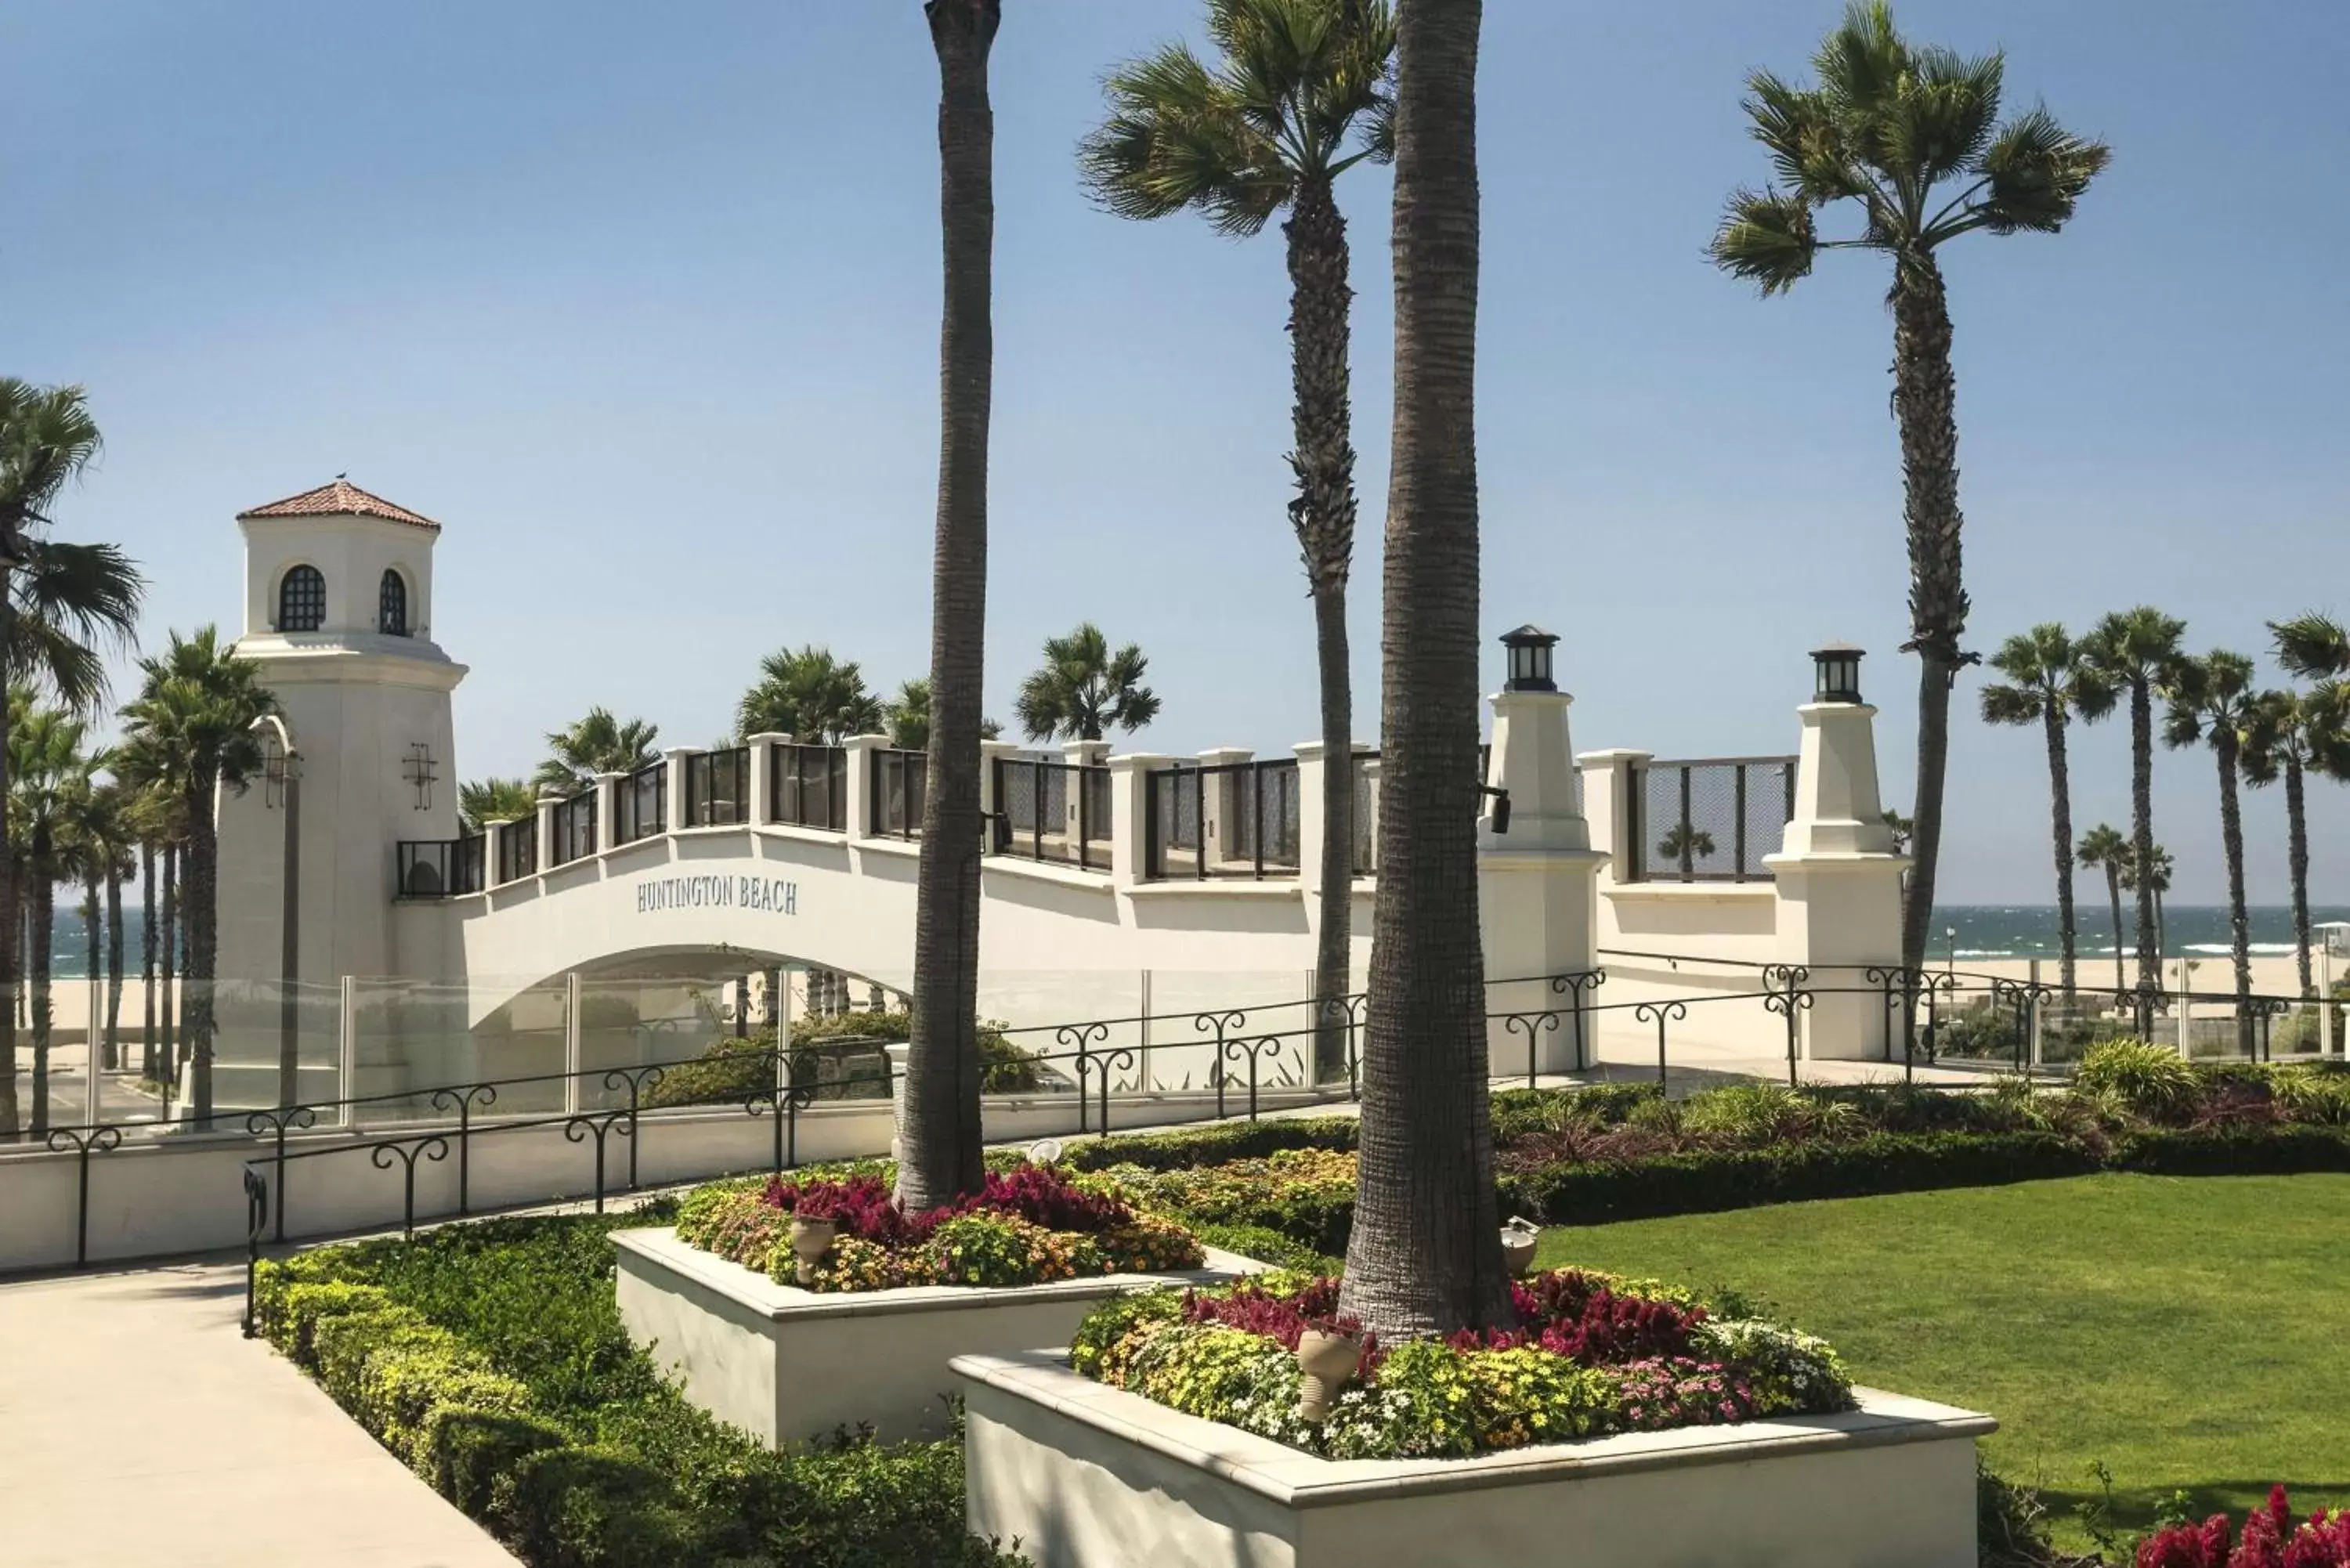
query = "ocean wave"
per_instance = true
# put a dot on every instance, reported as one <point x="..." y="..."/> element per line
<point x="2255" y="950"/>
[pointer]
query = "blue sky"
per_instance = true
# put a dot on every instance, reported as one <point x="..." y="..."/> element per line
<point x="646" y="311"/>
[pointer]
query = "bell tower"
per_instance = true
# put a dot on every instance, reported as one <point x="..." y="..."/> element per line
<point x="339" y="616"/>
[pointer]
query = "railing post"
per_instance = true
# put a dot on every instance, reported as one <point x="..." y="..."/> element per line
<point x="544" y="859"/>
<point x="1129" y="825"/>
<point x="571" y="1052"/>
<point x="857" y="809"/>
<point x="680" y="760"/>
<point x="346" y="1050"/>
<point x="761" y="785"/>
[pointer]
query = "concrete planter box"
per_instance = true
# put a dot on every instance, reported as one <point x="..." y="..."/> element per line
<point x="784" y="1364"/>
<point x="1087" y="1476"/>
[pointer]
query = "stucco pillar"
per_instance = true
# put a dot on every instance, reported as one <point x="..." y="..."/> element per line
<point x="1610" y="810"/>
<point x="1222" y="801"/>
<point x="677" y="757"/>
<point x="1839" y="882"/>
<point x="1309" y="815"/>
<point x="494" y="843"/>
<point x="547" y="801"/>
<point x="896" y="1056"/>
<point x="762" y="747"/>
<point x="1536" y="884"/>
<point x="858" y="768"/>
<point x="1129" y="815"/>
<point x="607" y="788"/>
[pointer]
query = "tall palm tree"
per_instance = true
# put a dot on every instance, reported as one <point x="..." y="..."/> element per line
<point x="908" y="716"/>
<point x="1082" y="689"/>
<point x="97" y="846"/>
<point x="2160" y="880"/>
<point x="47" y="769"/>
<point x="1911" y="137"/>
<point x="60" y="605"/>
<point x="2211" y="698"/>
<point x="2047" y="684"/>
<point x="1300" y="94"/>
<point x="482" y="801"/>
<point x="1685" y="845"/>
<point x="2103" y="848"/>
<point x="154" y="815"/>
<point x="941" y="1135"/>
<point x="595" y="743"/>
<point x="1425" y="1255"/>
<point x="810" y="696"/>
<point x="2133" y="651"/>
<point x="117" y="830"/>
<point x="2315" y="723"/>
<point x="196" y="706"/>
<point x="2292" y="732"/>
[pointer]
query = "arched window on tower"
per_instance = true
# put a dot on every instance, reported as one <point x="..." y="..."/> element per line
<point x="302" y="600"/>
<point x="391" y="604"/>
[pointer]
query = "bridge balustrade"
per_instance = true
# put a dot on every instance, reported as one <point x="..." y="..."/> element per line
<point x="807" y="786"/>
<point x="640" y="804"/>
<point x="718" y="788"/>
<point x="900" y="783"/>
<point x="574" y="829"/>
<point x="438" y="867"/>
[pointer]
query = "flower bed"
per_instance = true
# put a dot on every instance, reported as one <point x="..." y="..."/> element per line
<point x="1593" y="1355"/>
<point x="1028" y="1226"/>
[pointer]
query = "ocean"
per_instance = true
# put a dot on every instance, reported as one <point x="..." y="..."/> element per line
<point x="2190" y="931"/>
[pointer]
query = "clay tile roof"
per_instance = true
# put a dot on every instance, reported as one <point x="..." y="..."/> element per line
<point x="340" y="498"/>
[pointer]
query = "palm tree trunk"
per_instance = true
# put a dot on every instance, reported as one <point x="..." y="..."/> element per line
<point x="93" y="974"/>
<point x="150" y="1063"/>
<point x="2149" y="955"/>
<point x="169" y="1001"/>
<point x="39" y="927"/>
<point x="114" y="967"/>
<point x="2114" y="892"/>
<point x="11" y="1115"/>
<point x="941" y="1138"/>
<point x="2231" y="840"/>
<point x="1425" y="1256"/>
<point x="2060" y="792"/>
<point x="1925" y="397"/>
<point x="2297" y="858"/>
<point x="201" y="894"/>
<point x="1323" y="515"/>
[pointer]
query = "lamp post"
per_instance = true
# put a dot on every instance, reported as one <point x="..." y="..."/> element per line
<point x="1530" y="659"/>
<point x="289" y="776"/>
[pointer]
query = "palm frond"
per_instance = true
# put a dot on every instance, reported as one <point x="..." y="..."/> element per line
<point x="2035" y="172"/>
<point x="2313" y="646"/>
<point x="2012" y="705"/>
<point x="1941" y="118"/>
<point x="1767" y="239"/>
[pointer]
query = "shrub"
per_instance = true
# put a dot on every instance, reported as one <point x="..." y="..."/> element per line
<point x="2151" y="1081"/>
<point x="491" y="1357"/>
<point x="838" y="1053"/>
<point x="1213" y="1145"/>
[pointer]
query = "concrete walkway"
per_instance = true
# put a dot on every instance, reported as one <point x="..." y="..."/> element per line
<point x="139" y="1427"/>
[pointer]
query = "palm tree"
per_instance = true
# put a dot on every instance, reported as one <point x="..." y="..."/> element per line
<point x="594" y="743"/>
<point x="2308" y="730"/>
<point x="197" y="706"/>
<point x="1686" y="844"/>
<point x="47" y="771"/>
<point x="1083" y="688"/>
<point x="483" y="801"/>
<point x="152" y="811"/>
<point x="941" y="1140"/>
<point x="99" y="842"/>
<point x="2132" y="651"/>
<point x="1425" y="1255"/>
<point x="2103" y="848"/>
<point x="2160" y="880"/>
<point x="2313" y="646"/>
<point x="810" y="696"/>
<point x="59" y="604"/>
<point x="2047" y="684"/>
<point x="1300" y="95"/>
<point x="2211" y="698"/>
<point x="2292" y="732"/>
<point x="1911" y="137"/>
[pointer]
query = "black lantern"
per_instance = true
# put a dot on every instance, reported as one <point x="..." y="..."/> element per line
<point x="1837" y="674"/>
<point x="1529" y="647"/>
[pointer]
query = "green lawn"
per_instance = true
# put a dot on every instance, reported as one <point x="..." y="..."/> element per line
<point x="2188" y="1333"/>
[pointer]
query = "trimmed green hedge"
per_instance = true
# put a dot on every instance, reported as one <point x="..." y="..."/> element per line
<point x="490" y="1358"/>
<point x="2287" y="1150"/>
<point x="1214" y="1144"/>
<point x="1708" y="1181"/>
